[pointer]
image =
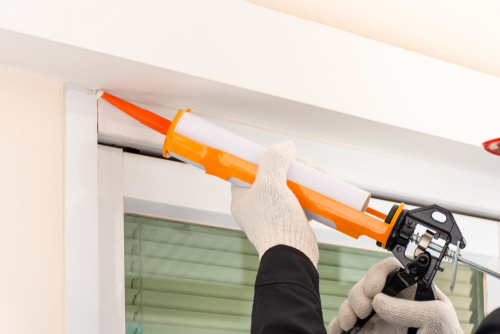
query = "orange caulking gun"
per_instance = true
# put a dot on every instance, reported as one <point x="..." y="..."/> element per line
<point x="325" y="199"/>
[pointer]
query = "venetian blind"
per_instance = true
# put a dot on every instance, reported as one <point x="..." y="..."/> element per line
<point x="183" y="278"/>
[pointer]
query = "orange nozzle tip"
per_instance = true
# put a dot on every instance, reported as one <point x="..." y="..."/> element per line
<point x="146" y="117"/>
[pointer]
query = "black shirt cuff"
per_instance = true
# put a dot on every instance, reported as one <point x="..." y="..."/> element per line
<point x="283" y="264"/>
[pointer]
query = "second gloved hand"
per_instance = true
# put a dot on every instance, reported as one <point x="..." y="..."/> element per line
<point x="268" y="212"/>
<point x="394" y="315"/>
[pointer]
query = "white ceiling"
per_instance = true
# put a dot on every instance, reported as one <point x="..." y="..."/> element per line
<point x="462" y="32"/>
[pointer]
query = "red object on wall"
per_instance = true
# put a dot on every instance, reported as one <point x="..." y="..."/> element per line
<point x="492" y="146"/>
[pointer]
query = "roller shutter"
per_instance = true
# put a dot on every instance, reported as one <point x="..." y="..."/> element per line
<point x="184" y="278"/>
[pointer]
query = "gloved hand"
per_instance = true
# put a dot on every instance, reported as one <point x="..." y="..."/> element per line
<point x="394" y="315"/>
<point x="268" y="212"/>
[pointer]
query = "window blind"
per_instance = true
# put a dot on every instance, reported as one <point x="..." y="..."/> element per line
<point x="183" y="278"/>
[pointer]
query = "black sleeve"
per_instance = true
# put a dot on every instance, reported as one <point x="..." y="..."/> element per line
<point x="286" y="296"/>
<point x="490" y="324"/>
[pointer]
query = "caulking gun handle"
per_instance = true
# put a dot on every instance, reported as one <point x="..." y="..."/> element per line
<point x="394" y="285"/>
<point x="359" y="324"/>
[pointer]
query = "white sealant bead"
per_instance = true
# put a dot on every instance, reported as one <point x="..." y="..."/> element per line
<point x="99" y="93"/>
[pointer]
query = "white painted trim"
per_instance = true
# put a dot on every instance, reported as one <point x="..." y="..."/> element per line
<point x="81" y="242"/>
<point x="384" y="176"/>
<point x="179" y="213"/>
<point x="111" y="242"/>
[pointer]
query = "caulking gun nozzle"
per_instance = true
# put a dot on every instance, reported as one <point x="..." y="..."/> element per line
<point x="144" y="116"/>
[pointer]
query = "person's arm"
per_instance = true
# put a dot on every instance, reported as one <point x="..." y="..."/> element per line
<point x="286" y="296"/>
<point x="490" y="324"/>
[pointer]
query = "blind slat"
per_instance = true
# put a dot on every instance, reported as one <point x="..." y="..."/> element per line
<point x="152" y="315"/>
<point x="188" y="270"/>
<point x="188" y="266"/>
<point x="188" y="302"/>
<point x="461" y="289"/>
<point x="163" y="250"/>
<point x="464" y="315"/>
<point x="467" y="328"/>
<point x="186" y="237"/>
<point x="460" y="303"/>
<point x="165" y="329"/>
<point x="187" y="286"/>
<point x="229" y="273"/>
<point x="203" y="320"/>
<point x="216" y="289"/>
<point x="191" y="254"/>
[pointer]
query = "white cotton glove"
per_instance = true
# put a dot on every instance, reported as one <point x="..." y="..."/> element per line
<point x="394" y="315"/>
<point x="268" y="212"/>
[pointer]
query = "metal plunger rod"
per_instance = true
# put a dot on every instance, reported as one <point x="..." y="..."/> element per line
<point x="478" y="267"/>
<point x="451" y="254"/>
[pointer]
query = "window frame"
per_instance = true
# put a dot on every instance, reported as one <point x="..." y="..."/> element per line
<point x="144" y="182"/>
<point x="129" y="183"/>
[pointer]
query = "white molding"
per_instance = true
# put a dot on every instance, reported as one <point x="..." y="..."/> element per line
<point x="111" y="242"/>
<point x="384" y="176"/>
<point x="187" y="214"/>
<point x="81" y="241"/>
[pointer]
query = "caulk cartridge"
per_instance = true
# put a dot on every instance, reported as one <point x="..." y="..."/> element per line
<point x="233" y="158"/>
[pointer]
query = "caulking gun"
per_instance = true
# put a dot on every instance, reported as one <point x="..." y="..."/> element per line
<point x="325" y="199"/>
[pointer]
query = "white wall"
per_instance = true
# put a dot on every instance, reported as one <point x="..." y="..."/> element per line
<point x="32" y="139"/>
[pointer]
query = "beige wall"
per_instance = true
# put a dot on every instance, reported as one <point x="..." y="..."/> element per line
<point x="460" y="32"/>
<point x="31" y="203"/>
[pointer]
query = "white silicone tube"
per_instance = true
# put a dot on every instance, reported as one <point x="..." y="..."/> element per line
<point x="214" y="136"/>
